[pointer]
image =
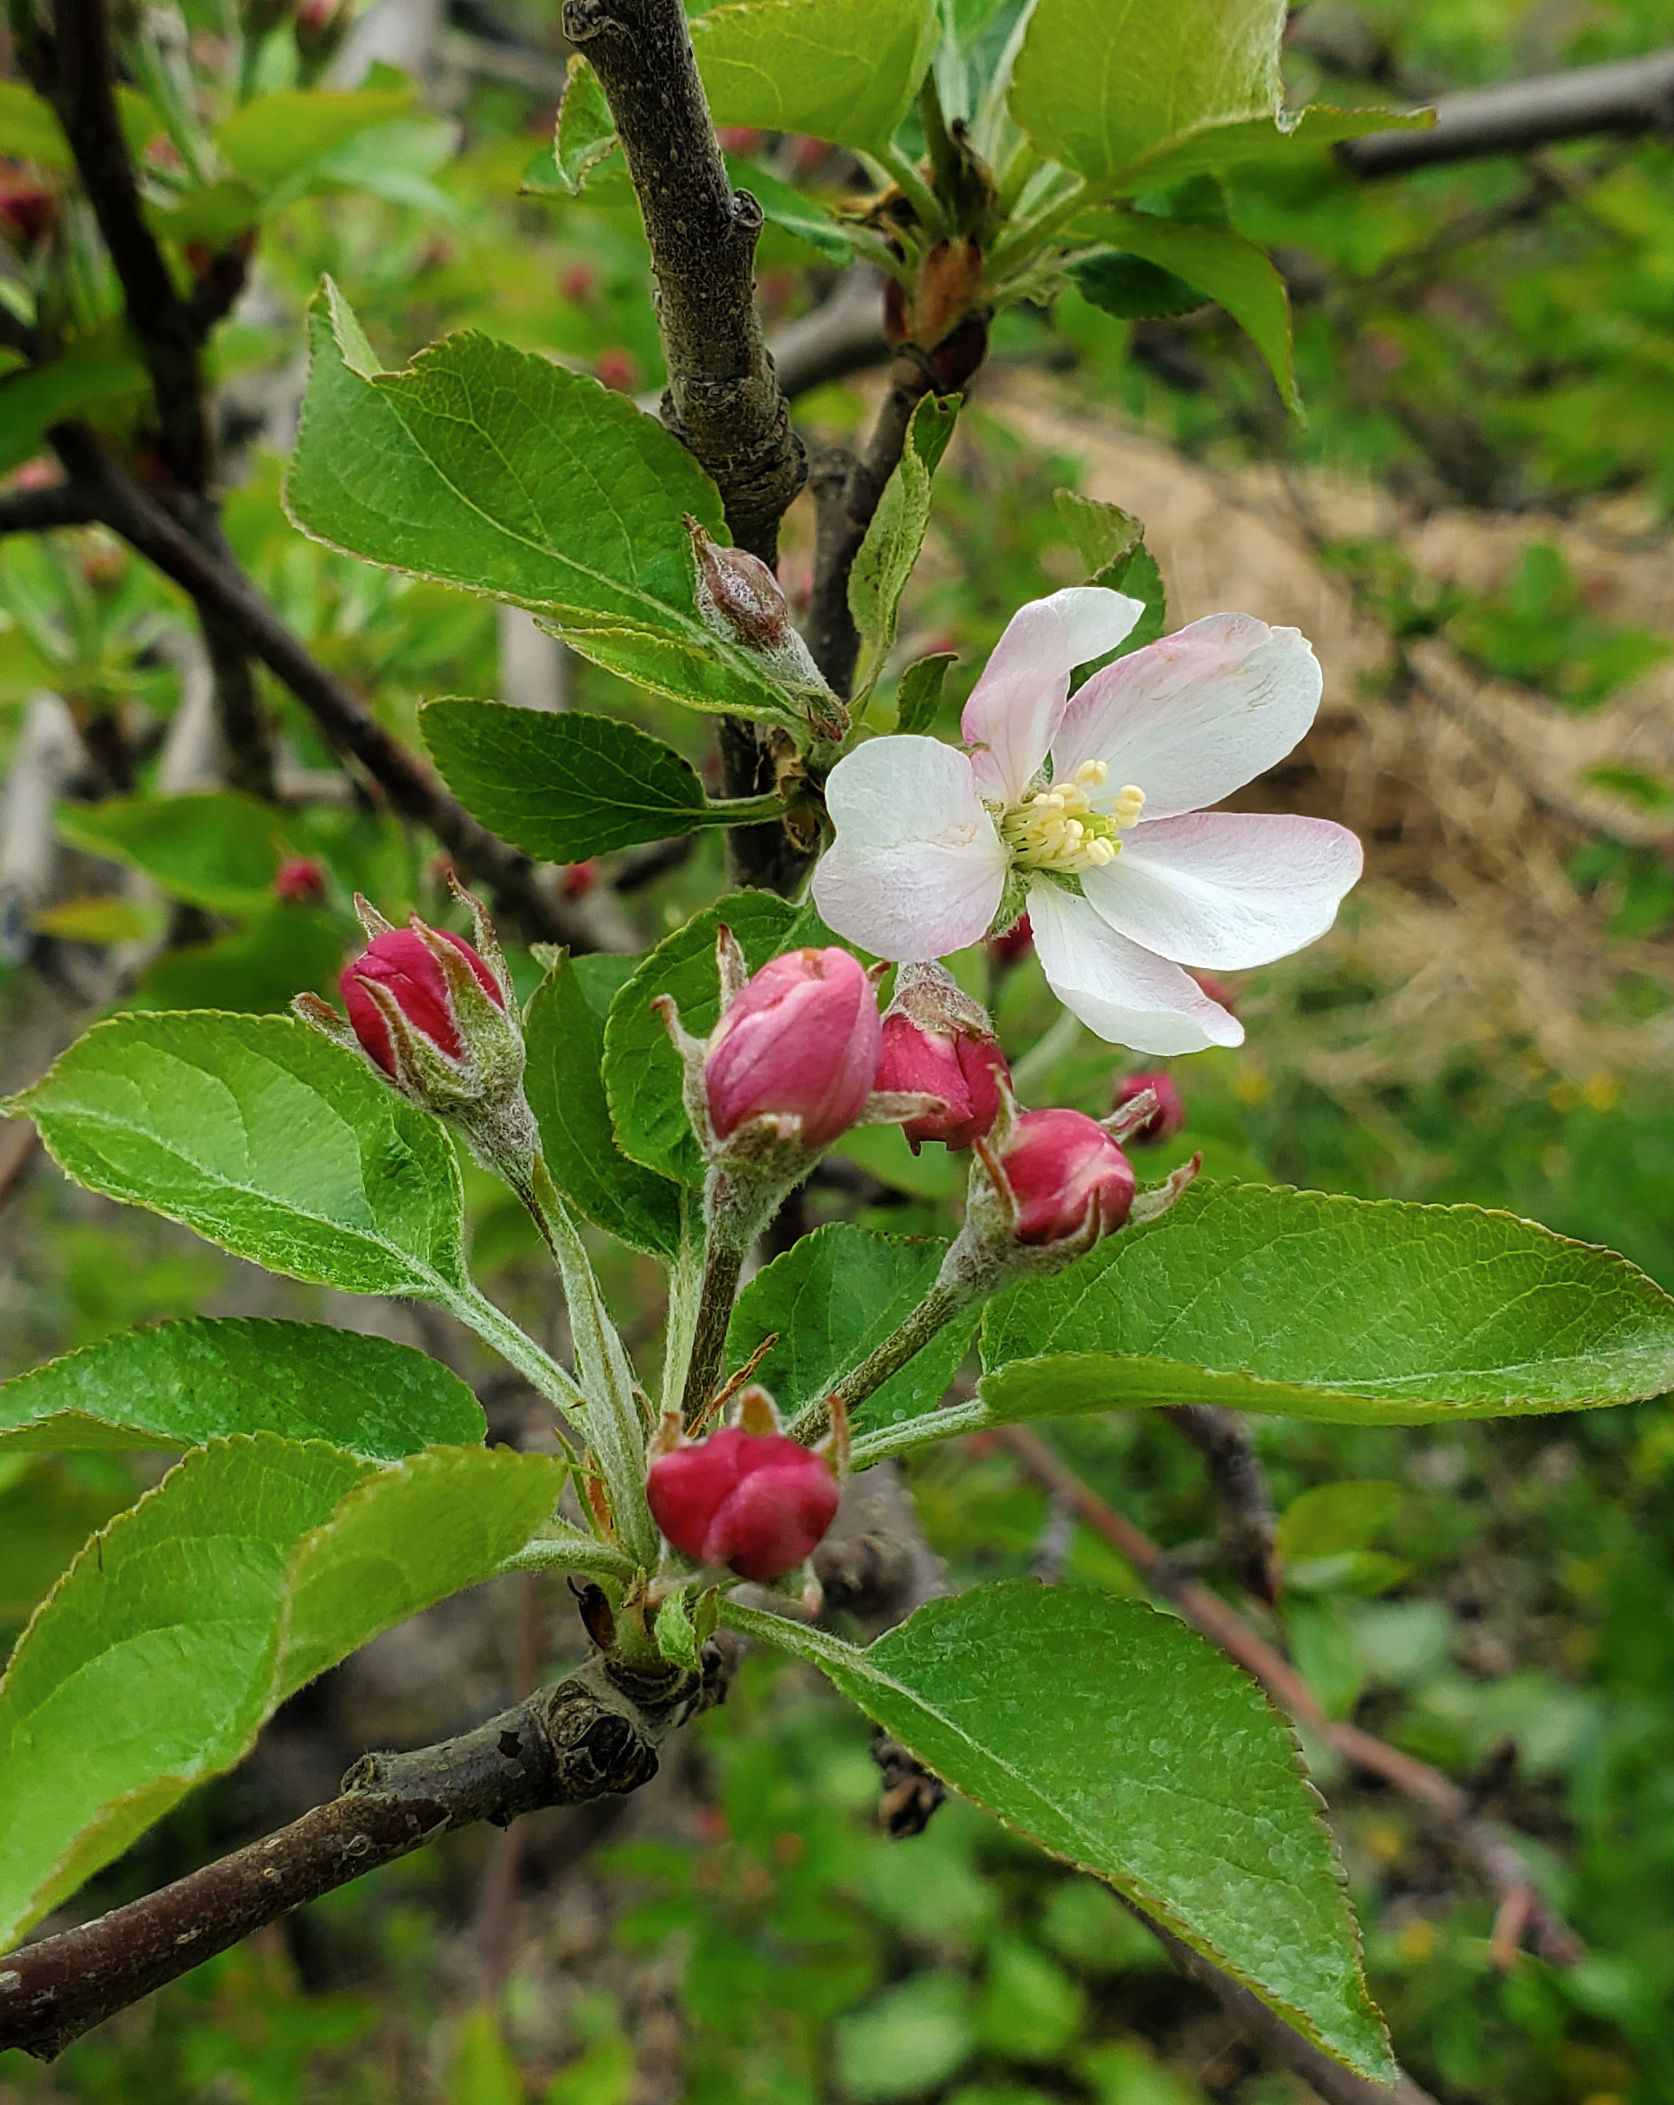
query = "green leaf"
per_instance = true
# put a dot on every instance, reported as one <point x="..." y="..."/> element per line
<point x="641" y="1069"/>
<point x="255" y="970"/>
<point x="1335" y="1518"/>
<point x="792" y="210"/>
<point x="1134" y="96"/>
<point x="833" y="1297"/>
<point x="564" y="1032"/>
<point x="182" y="1384"/>
<point x="1354" y="1311"/>
<point x="563" y="786"/>
<point x="265" y="1138"/>
<point x="1225" y="268"/>
<point x="98" y="369"/>
<point x="1128" y="1745"/>
<point x="896" y="534"/>
<point x="29" y="128"/>
<point x="918" y="698"/>
<point x="1111" y="542"/>
<point x="843" y="70"/>
<point x="584" y="138"/>
<point x="1134" y="290"/>
<point x="214" y="849"/>
<point x="253" y="1566"/>
<point x="495" y="469"/>
<point x="276" y="137"/>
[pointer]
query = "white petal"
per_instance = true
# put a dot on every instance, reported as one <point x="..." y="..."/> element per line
<point x="1117" y="989"/>
<point x="1195" y="716"/>
<point x="916" y="870"/>
<point x="1015" y="706"/>
<point x="1226" y="889"/>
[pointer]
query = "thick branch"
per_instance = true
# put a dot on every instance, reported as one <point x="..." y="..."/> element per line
<point x="1486" y="1849"/>
<point x="40" y="511"/>
<point x="216" y="583"/>
<point x="590" y="1736"/>
<point x="723" y="400"/>
<point x="81" y="82"/>
<point x="1636" y="95"/>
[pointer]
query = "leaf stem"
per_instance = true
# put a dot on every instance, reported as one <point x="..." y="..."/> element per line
<point x="722" y="1264"/>
<point x="514" y="1344"/>
<point x="912" y="186"/>
<point x="945" y="1300"/>
<point x="743" y="811"/>
<point x="1026" y="237"/>
<point x="685" y="1294"/>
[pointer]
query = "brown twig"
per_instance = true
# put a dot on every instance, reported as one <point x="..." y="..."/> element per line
<point x="1249" y="1527"/>
<point x="593" y="1734"/>
<point x="43" y="511"/>
<point x="1484" y="1847"/>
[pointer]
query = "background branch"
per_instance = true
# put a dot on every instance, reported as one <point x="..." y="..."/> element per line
<point x="1636" y="95"/>
<point x="592" y="1735"/>
<point x="1249" y="1526"/>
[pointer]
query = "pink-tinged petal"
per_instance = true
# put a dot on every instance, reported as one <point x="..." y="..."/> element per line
<point x="1122" y="992"/>
<point x="1196" y="715"/>
<point x="1015" y="706"/>
<point x="917" y="869"/>
<point x="1226" y="889"/>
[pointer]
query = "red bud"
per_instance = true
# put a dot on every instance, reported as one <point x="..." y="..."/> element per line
<point x="401" y="962"/>
<point x="802" y="1039"/>
<point x="937" y="1041"/>
<point x="618" y="369"/>
<point x="1063" y="1166"/>
<point x="1014" y="946"/>
<point x="755" y="1502"/>
<point x="300" y="881"/>
<point x="1169" y="1116"/>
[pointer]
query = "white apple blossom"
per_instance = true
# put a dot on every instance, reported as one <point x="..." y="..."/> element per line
<point x="1125" y="875"/>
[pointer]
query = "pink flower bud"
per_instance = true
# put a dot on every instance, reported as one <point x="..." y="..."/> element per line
<point x="1169" y="1116"/>
<point x="737" y="594"/>
<point x="579" y="879"/>
<point x="756" y="1502"/>
<point x="618" y="370"/>
<point x="1063" y="1167"/>
<point x="938" y="1042"/>
<point x="1014" y="946"/>
<point x="402" y="962"/>
<point x="801" y="1040"/>
<point x="300" y="881"/>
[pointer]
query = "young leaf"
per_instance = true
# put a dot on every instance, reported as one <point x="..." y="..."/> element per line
<point x="276" y="137"/>
<point x="1134" y="290"/>
<point x="29" y="128"/>
<point x="495" y="469"/>
<point x="918" y="698"/>
<point x="253" y="1566"/>
<point x="98" y="368"/>
<point x="1225" y="268"/>
<point x="1354" y="1311"/>
<point x="1111" y="542"/>
<point x="792" y="210"/>
<point x="896" y="534"/>
<point x="562" y="786"/>
<point x="832" y="1298"/>
<point x="843" y="70"/>
<point x="584" y="139"/>
<point x="1129" y="1746"/>
<point x="641" y="1071"/>
<point x="214" y="849"/>
<point x="182" y="1384"/>
<point x="564" y="1032"/>
<point x="256" y="969"/>
<point x="266" y="1139"/>
<point x="1134" y="96"/>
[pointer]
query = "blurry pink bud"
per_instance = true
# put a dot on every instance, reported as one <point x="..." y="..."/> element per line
<point x="403" y="964"/>
<point x="1014" y="946"/>
<point x="1218" y="990"/>
<point x="300" y="881"/>
<point x="756" y="1502"/>
<point x="1169" y="1116"/>
<point x="618" y="369"/>
<point x="938" y="1042"/>
<point x="579" y="879"/>
<point x="739" y="138"/>
<point x="1064" y="1168"/>
<point x="579" y="283"/>
<point x="801" y="1040"/>
<point x="27" y="210"/>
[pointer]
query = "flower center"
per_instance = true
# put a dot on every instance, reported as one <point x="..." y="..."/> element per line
<point x="1057" y="828"/>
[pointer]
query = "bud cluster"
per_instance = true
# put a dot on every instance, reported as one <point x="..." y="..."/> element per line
<point x="746" y="1498"/>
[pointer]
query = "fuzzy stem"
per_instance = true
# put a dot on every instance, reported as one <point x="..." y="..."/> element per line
<point x="612" y="1414"/>
<point x="514" y="1344"/>
<point x="945" y="1300"/>
<point x="721" y="1267"/>
<point x="685" y="1297"/>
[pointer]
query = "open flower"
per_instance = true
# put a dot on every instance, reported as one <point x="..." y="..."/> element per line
<point x="1126" y="877"/>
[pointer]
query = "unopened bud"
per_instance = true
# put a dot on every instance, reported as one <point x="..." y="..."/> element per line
<point x="1165" y="1120"/>
<point x="1067" y="1177"/>
<point x="27" y="210"/>
<point x="300" y="881"/>
<point x="757" y="1503"/>
<point x="437" y="1016"/>
<point x="938" y="1041"/>
<point x="801" y="1040"/>
<point x="1015" y="945"/>
<point x="739" y="599"/>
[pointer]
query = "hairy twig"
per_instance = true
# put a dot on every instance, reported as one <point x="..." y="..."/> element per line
<point x="214" y="580"/>
<point x="1635" y="95"/>
<point x="593" y="1734"/>
<point x="1249" y="1527"/>
<point x="1484" y="1847"/>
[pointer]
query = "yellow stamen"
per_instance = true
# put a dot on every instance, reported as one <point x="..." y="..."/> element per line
<point x="1057" y="828"/>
